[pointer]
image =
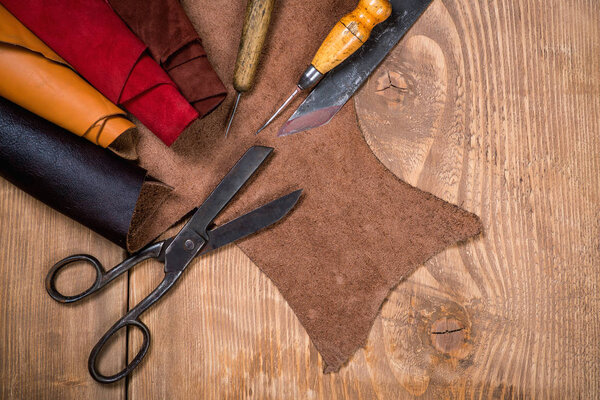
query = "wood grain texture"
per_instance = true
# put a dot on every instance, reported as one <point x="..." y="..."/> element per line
<point x="254" y="33"/>
<point x="495" y="106"/>
<point x="492" y="105"/>
<point x="44" y="345"/>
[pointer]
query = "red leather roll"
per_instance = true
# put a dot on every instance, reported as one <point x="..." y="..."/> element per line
<point x="173" y="43"/>
<point x="94" y="40"/>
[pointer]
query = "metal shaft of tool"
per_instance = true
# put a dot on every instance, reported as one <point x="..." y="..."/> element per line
<point x="339" y="85"/>
<point x="233" y="110"/>
<point x="340" y="43"/>
<point x="280" y="109"/>
<point x="254" y="34"/>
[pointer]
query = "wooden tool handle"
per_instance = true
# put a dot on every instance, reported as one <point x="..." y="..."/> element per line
<point x="350" y="33"/>
<point x="254" y="32"/>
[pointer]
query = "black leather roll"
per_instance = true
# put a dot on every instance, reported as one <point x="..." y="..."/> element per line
<point x="83" y="181"/>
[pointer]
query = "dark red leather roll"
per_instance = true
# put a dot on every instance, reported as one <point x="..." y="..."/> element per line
<point x="94" y="40"/>
<point x="165" y="28"/>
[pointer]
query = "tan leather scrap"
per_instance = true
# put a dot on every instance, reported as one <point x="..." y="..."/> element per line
<point x="36" y="78"/>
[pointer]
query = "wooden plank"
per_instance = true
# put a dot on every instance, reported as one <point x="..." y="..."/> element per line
<point x="44" y="345"/>
<point x="226" y="332"/>
<point x="494" y="106"/>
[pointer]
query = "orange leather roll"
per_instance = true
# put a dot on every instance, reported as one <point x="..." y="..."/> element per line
<point x="38" y="79"/>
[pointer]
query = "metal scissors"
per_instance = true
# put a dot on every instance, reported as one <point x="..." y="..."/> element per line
<point x="194" y="239"/>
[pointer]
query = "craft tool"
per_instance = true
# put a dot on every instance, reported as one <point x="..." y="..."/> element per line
<point x="339" y="85"/>
<point x="254" y="33"/>
<point x="193" y="240"/>
<point x="345" y="38"/>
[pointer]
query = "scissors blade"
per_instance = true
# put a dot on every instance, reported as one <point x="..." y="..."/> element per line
<point x="251" y="222"/>
<point x="190" y="240"/>
<point x="228" y="187"/>
<point x="243" y="226"/>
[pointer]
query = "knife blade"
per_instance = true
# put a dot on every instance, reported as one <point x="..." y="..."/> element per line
<point x="228" y="187"/>
<point x="339" y="85"/>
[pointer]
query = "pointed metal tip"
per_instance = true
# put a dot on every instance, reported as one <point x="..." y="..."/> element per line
<point x="262" y="127"/>
<point x="280" y="109"/>
<point x="304" y="119"/>
<point x="290" y="127"/>
<point x="289" y="201"/>
<point x="282" y="132"/>
<point x="296" y="194"/>
<point x="233" y="110"/>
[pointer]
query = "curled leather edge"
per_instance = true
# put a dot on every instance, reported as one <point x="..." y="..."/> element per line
<point x="36" y="78"/>
<point x="125" y="145"/>
<point x="152" y="196"/>
<point x="177" y="48"/>
<point x="192" y="72"/>
<point x="94" y="187"/>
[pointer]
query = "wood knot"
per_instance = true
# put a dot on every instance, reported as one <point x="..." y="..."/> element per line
<point x="448" y="335"/>
<point x="392" y="85"/>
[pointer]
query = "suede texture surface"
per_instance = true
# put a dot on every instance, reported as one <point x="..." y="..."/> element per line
<point x="100" y="47"/>
<point x="176" y="47"/>
<point x="357" y="231"/>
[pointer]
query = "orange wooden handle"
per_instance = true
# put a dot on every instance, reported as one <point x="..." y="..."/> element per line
<point x="350" y="33"/>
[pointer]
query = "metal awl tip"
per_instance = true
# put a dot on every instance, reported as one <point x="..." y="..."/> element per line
<point x="233" y="110"/>
<point x="280" y="109"/>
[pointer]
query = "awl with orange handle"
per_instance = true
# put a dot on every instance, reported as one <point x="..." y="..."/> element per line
<point x="345" y="38"/>
<point x="254" y="33"/>
<point x="339" y="85"/>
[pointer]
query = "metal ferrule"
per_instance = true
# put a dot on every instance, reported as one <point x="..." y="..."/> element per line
<point x="309" y="78"/>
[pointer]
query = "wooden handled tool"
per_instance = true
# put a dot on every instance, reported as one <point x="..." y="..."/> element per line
<point x="345" y="38"/>
<point x="254" y="33"/>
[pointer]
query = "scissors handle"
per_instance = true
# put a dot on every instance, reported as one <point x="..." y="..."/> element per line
<point x="123" y="322"/>
<point x="102" y="276"/>
<point x="131" y="319"/>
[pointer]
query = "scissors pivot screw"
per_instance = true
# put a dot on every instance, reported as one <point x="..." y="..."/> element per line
<point x="189" y="244"/>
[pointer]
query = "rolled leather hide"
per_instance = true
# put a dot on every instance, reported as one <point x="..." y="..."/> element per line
<point x="83" y="181"/>
<point x="38" y="79"/>
<point x="92" y="39"/>
<point x="173" y="43"/>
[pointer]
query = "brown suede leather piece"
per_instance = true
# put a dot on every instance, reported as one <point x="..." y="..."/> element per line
<point x="173" y="43"/>
<point x="357" y="231"/>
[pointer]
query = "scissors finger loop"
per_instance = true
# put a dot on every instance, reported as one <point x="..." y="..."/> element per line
<point x="100" y="345"/>
<point x="51" y="277"/>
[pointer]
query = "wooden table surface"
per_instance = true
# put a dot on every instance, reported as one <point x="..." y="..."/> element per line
<point x="492" y="105"/>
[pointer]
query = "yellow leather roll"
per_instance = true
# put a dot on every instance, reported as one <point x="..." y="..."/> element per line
<point x="36" y="78"/>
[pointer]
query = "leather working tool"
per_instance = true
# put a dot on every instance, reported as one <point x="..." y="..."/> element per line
<point x="254" y="32"/>
<point x="347" y="36"/>
<point x="338" y="86"/>
<point x="194" y="239"/>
